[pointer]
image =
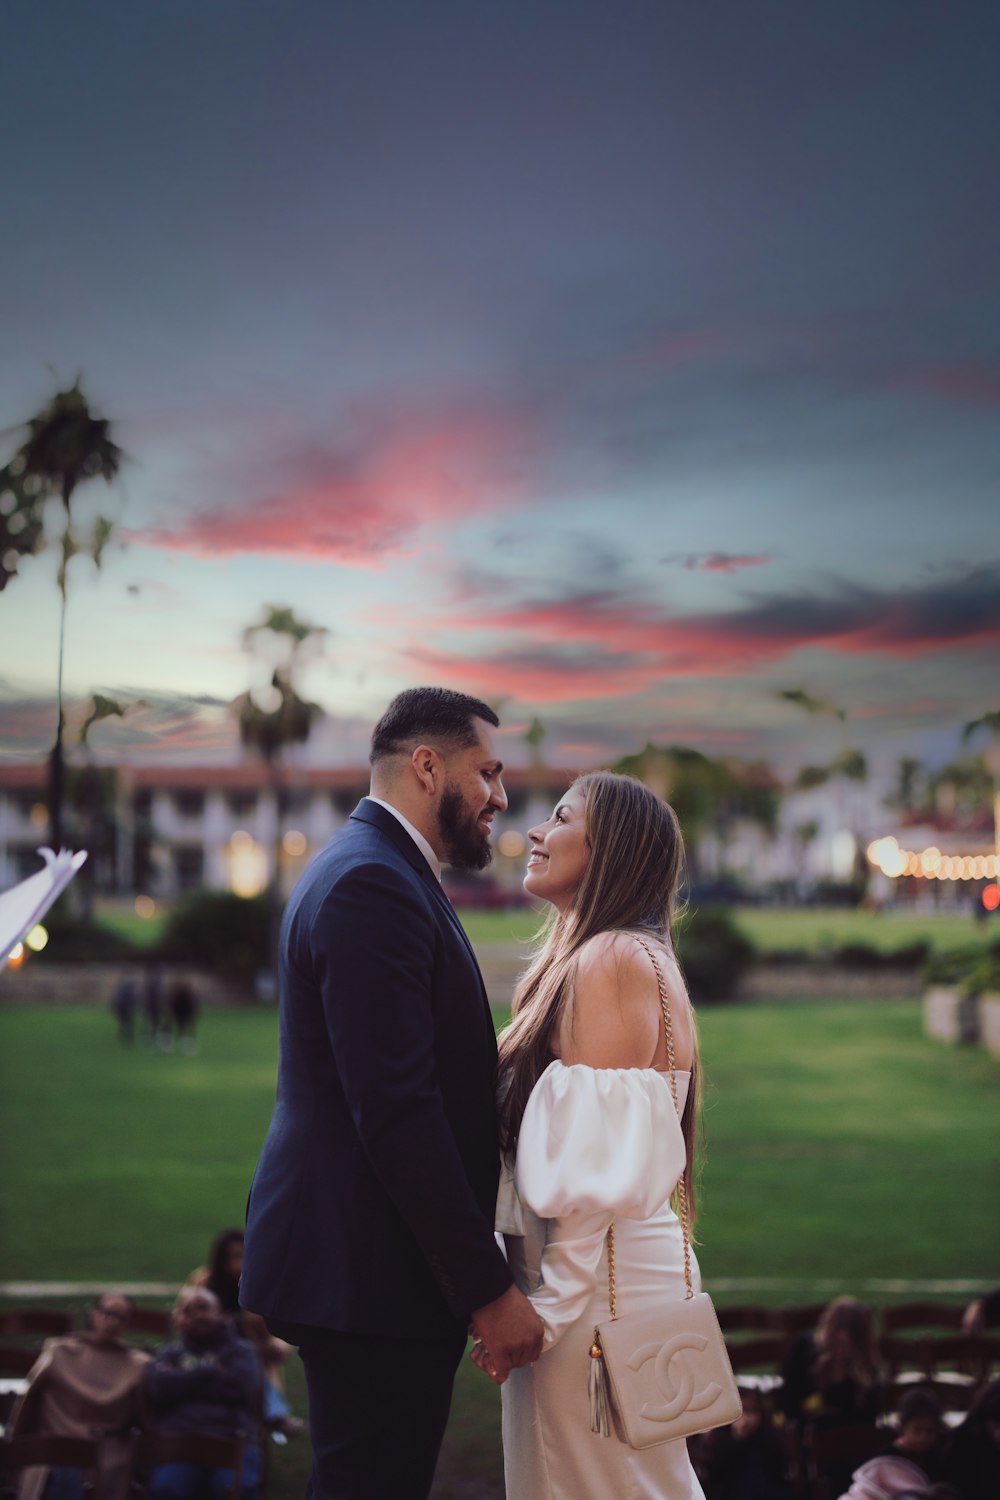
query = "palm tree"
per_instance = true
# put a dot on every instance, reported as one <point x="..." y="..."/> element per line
<point x="848" y="764"/>
<point x="66" y="445"/>
<point x="906" y="796"/>
<point x="990" y="721"/>
<point x="274" y="719"/>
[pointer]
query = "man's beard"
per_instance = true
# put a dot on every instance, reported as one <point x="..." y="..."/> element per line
<point x="466" y="846"/>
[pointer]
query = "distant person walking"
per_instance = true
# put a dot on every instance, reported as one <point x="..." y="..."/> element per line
<point x="152" y="1003"/>
<point x="183" y="1004"/>
<point x="124" y="1003"/>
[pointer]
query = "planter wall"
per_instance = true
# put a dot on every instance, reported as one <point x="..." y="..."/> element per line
<point x="989" y="1022"/>
<point x="821" y="981"/>
<point x="950" y="1016"/>
<point x="70" y="984"/>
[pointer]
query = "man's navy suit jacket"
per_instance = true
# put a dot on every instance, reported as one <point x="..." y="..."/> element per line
<point x="373" y="1201"/>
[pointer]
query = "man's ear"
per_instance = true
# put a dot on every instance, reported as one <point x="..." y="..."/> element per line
<point x="428" y="767"/>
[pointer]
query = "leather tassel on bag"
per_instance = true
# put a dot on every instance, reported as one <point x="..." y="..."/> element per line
<point x="598" y="1387"/>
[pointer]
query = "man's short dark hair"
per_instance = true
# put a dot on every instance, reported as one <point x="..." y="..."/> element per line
<point x="98" y="1303"/>
<point x="432" y="715"/>
<point x="917" y="1405"/>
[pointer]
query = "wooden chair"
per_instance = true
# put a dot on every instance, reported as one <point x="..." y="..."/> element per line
<point x="48" y="1321"/>
<point x="800" y="1319"/>
<point x="968" y="1355"/>
<point x="757" y="1362"/>
<point x="42" y="1450"/>
<point x="15" y="1363"/>
<point x="151" y="1321"/>
<point x="16" y="1360"/>
<point x="207" y="1450"/>
<point x="749" y="1319"/>
<point x="838" y="1448"/>
<point x="919" y="1316"/>
<point x="902" y="1356"/>
<point x="952" y="1395"/>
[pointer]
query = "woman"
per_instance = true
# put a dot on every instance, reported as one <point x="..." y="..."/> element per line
<point x="86" y="1385"/>
<point x="831" y="1377"/>
<point x="222" y="1276"/>
<point x="591" y="1133"/>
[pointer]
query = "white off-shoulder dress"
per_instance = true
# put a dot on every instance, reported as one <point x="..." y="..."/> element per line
<point x="595" y="1145"/>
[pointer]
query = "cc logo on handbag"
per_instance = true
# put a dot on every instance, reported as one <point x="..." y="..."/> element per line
<point x="680" y="1396"/>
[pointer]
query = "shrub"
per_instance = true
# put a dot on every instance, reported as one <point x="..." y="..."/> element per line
<point x="74" y="938"/>
<point x="857" y="956"/>
<point x="714" y="954"/>
<point x="985" y="975"/>
<point x="952" y="966"/>
<point x="786" y="957"/>
<point x="219" y="931"/>
<point x="910" y="955"/>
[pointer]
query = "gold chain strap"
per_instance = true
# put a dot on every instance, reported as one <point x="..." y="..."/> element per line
<point x="681" y="1189"/>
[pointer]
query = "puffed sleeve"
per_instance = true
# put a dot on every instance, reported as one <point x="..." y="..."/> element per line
<point x="596" y="1144"/>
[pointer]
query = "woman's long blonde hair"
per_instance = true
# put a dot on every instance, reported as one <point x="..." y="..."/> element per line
<point x="629" y="885"/>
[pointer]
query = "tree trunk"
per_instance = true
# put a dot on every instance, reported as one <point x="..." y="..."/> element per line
<point x="56" y="759"/>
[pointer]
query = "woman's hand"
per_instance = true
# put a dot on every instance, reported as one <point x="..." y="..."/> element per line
<point x="481" y="1357"/>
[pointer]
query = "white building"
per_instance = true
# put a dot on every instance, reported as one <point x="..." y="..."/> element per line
<point x="173" y="828"/>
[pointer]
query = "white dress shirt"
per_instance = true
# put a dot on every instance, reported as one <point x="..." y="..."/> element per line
<point x="414" y="833"/>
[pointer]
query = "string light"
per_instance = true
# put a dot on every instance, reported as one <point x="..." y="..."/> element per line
<point x="886" y="855"/>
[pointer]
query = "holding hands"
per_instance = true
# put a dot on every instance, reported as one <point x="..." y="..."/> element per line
<point x="507" y="1334"/>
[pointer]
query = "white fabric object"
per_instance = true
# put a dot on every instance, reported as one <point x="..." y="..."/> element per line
<point x="24" y="905"/>
<point x="885" y="1477"/>
<point x="596" y="1139"/>
<point x="596" y="1145"/>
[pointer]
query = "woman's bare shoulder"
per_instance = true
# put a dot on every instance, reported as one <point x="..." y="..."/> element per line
<point x="611" y="955"/>
<point x="612" y="1022"/>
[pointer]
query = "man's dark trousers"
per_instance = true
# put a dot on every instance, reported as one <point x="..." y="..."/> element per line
<point x="378" y="1408"/>
<point x="370" y="1221"/>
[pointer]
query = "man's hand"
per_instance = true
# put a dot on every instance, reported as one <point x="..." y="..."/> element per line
<point x="510" y="1334"/>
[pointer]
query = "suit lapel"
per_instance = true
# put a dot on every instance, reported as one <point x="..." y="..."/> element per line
<point x="368" y="811"/>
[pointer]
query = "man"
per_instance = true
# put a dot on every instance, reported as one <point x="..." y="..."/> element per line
<point x="208" y="1381"/>
<point x="370" y="1223"/>
<point x="86" y="1385"/>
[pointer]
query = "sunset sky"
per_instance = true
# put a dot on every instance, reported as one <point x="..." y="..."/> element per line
<point x="626" y="362"/>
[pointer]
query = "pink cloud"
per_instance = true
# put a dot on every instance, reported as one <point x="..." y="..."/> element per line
<point x="724" y="562"/>
<point x="359" y="507"/>
<point x="525" y="675"/>
<point x="597" y="645"/>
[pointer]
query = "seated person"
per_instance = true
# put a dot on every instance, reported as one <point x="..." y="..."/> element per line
<point x="746" y="1460"/>
<point x="82" y="1386"/>
<point x="222" y="1276"/>
<point x="207" y="1381"/>
<point x="982" y="1314"/>
<point x="921" y="1431"/>
<point x="972" y="1452"/>
<point x="830" y="1377"/>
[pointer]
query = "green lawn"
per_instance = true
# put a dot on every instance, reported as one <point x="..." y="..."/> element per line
<point x="839" y="1142"/>
<point x="770" y="928"/>
<point x="842" y="1146"/>
<point x="815" y="929"/>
